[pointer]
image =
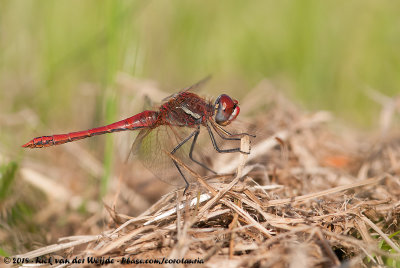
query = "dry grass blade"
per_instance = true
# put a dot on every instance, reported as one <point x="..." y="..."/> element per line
<point x="323" y="193"/>
<point x="47" y="185"/>
<point x="379" y="231"/>
<point x="121" y="240"/>
<point x="58" y="247"/>
<point x="247" y="218"/>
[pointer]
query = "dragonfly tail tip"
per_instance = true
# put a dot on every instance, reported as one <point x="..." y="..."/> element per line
<point x="28" y="145"/>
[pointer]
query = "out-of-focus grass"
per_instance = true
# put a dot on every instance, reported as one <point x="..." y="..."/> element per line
<point x="16" y="209"/>
<point x="7" y="176"/>
<point x="388" y="261"/>
<point x="59" y="59"/>
<point x="325" y="52"/>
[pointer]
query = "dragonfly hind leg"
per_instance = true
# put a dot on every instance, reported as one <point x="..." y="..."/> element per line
<point x="183" y="176"/>
<point x="191" y="152"/>
<point x="195" y="134"/>
<point x="176" y="164"/>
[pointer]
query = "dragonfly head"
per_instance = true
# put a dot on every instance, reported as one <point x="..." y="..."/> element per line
<point x="226" y="110"/>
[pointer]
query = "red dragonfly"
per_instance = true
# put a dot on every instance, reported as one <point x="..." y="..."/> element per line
<point x="182" y="110"/>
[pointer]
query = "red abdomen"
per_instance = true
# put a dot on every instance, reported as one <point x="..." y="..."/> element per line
<point x="141" y="120"/>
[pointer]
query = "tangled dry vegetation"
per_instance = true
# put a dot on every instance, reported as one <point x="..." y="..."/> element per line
<point x="306" y="196"/>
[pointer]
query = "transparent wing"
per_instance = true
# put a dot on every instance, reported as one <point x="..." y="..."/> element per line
<point x="192" y="87"/>
<point x="150" y="148"/>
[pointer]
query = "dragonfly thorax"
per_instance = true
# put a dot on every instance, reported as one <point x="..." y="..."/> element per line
<point x="186" y="109"/>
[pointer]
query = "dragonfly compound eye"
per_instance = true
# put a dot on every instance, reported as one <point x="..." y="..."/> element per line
<point x="226" y="110"/>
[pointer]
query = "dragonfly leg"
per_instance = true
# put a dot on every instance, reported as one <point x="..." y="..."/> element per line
<point x="176" y="164"/>
<point x="228" y="135"/>
<point x="184" y="141"/>
<point x="215" y="145"/>
<point x="183" y="176"/>
<point x="195" y="134"/>
<point x="191" y="152"/>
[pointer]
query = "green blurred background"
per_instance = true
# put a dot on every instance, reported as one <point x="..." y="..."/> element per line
<point x="325" y="53"/>
<point x="59" y="61"/>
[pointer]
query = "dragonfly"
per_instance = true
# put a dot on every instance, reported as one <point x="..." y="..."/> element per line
<point x="180" y="118"/>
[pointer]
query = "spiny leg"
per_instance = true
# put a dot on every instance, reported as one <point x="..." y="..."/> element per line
<point x="228" y="135"/>
<point x="215" y="145"/>
<point x="183" y="176"/>
<point x="176" y="164"/>
<point x="195" y="134"/>
<point x="191" y="152"/>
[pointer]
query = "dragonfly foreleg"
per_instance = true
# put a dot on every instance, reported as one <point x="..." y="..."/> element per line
<point x="215" y="145"/>
<point x="228" y="135"/>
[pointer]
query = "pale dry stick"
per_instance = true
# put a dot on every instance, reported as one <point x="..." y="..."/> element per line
<point x="388" y="110"/>
<point x="148" y="237"/>
<point x="252" y="197"/>
<point x="57" y="247"/>
<point x="292" y="231"/>
<point x="85" y="160"/>
<point x="47" y="185"/>
<point x="195" y="201"/>
<point x="231" y="226"/>
<point x="178" y="215"/>
<point x="284" y="151"/>
<point x="379" y="231"/>
<point x="179" y="250"/>
<point x="274" y="220"/>
<point x="270" y="219"/>
<point x="117" y="191"/>
<point x="263" y="188"/>
<point x="172" y="226"/>
<point x="368" y="255"/>
<point x="143" y="217"/>
<point x="362" y="229"/>
<point x="337" y="189"/>
<point x="79" y="237"/>
<point x="358" y="243"/>
<point x="390" y="207"/>
<point x="263" y="147"/>
<point x="394" y="162"/>
<point x="218" y="231"/>
<point x="144" y="247"/>
<point x="222" y="232"/>
<point x="194" y="174"/>
<point x="214" y="249"/>
<point x="121" y="240"/>
<point x="130" y="221"/>
<point x="306" y="158"/>
<point x="159" y="204"/>
<point x="245" y="147"/>
<point x="328" y="248"/>
<point x="99" y="245"/>
<point x="182" y="246"/>
<point x="247" y="217"/>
